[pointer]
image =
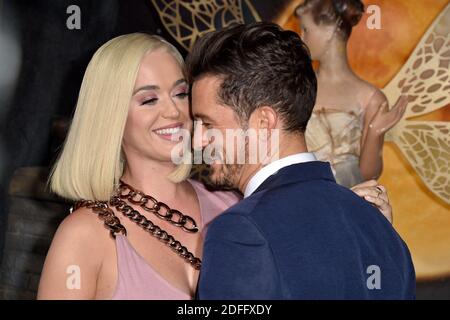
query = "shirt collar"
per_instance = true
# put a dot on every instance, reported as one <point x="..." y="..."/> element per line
<point x="273" y="167"/>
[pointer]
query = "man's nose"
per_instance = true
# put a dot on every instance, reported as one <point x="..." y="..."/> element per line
<point x="200" y="137"/>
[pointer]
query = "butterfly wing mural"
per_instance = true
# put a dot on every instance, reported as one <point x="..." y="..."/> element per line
<point x="187" y="20"/>
<point x="425" y="79"/>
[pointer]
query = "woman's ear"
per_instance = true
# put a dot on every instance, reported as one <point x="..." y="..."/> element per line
<point x="330" y="32"/>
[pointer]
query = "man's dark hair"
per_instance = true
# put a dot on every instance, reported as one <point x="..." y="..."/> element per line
<point x="260" y="64"/>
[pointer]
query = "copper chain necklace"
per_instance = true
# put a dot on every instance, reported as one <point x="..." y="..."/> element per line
<point x="159" y="209"/>
<point x="126" y="193"/>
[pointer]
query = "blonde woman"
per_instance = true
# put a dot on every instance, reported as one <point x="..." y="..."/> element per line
<point x="116" y="163"/>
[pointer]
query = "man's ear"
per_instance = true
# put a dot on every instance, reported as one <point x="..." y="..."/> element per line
<point x="267" y="118"/>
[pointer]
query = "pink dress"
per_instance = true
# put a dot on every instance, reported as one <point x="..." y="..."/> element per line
<point x="137" y="280"/>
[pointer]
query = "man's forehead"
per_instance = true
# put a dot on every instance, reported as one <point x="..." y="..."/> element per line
<point x="204" y="93"/>
<point x="212" y="82"/>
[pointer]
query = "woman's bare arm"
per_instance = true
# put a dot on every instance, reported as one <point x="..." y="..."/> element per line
<point x="74" y="259"/>
<point x="378" y="120"/>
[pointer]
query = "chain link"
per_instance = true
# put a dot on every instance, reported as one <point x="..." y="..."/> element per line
<point x="159" y="209"/>
<point x="106" y="214"/>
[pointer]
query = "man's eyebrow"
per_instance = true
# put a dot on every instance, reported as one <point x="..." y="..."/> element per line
<point x="201" y="116"/>
<point x="153" y="87"/>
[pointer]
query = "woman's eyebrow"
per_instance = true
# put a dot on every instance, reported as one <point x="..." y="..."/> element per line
<point x="148" y="87"/>
<point x="179" y="81"/>
<point x="153" y="87"/>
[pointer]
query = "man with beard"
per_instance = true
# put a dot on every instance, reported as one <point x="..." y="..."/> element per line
<point x="296" y="234"/>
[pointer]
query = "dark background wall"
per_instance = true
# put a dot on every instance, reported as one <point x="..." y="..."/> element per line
<point x="54" y="59"/>
<point x="35" y="110"/>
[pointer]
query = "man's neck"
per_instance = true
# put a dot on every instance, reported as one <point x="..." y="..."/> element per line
<point x="288" y="146"/>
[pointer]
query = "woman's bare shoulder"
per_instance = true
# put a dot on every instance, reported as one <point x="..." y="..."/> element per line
<point x="79" y="245"/>
<point x="369" y="94"/>
<point x="85" y="224"/>
<point x="82" y="235"/>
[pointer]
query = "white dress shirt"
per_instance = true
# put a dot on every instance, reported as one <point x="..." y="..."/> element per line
<point x="274" y="167"/>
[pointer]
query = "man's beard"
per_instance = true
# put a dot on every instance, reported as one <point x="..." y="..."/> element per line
<point x="227" y="178"/>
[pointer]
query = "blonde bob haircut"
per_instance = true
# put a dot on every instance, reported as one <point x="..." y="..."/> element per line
<point x="91" y="162"/>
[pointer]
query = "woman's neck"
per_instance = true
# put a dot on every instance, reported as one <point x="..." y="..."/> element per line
<point x="334" y="64"/>
<point x="151" y="178"/>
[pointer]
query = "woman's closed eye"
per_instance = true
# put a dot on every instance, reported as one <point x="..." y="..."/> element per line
<point x="150" y="101"/>
<point x="154" y="100"/>
<point x="182" y="95"/>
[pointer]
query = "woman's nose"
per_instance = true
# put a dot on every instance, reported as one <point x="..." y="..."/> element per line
<point x="171" y="110"/>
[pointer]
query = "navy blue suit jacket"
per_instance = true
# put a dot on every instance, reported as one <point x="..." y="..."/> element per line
<point x="300" y="235"/>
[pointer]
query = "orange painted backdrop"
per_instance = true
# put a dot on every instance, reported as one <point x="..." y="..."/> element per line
<point x="422" y="219"/>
